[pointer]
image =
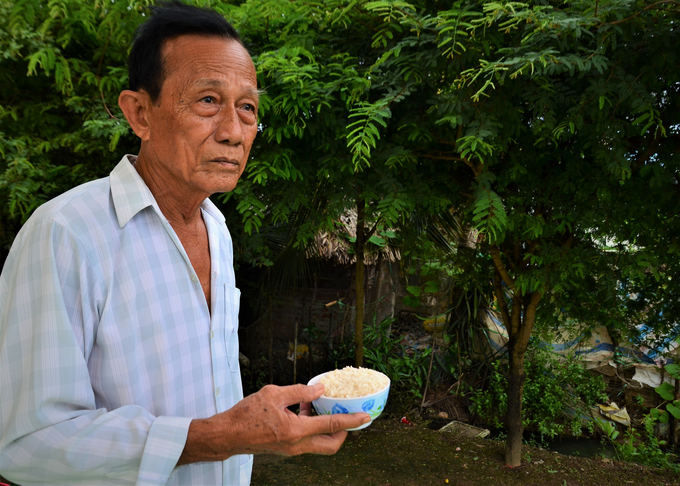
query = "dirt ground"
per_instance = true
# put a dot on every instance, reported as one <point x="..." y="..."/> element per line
<point x="389" y="453"/>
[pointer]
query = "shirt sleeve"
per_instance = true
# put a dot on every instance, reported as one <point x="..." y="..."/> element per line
<point x="51" y="431"/>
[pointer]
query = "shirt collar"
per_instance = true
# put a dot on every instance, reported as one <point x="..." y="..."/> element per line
<point x="130" y="194"/>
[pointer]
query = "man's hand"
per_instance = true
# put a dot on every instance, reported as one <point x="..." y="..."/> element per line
<point x="262" y="423"/>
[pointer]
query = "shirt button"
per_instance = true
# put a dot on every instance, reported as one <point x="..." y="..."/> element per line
<point x="217" y="391"/>
<point x="212" y="334"/>
<point x="194" y="278"/>
<point x="214" y="275"/>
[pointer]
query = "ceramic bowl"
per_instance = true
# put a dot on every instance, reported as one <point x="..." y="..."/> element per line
<point x="372" y="404"/>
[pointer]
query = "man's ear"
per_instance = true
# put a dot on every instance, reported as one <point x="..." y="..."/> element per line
<point x="135" y="106"/>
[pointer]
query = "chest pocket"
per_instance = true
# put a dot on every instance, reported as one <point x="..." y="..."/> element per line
<point x="232" y="300"/>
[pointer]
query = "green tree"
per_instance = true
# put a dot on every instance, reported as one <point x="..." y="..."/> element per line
<point x="62" y="65"/>
<point x="565" y="115"/>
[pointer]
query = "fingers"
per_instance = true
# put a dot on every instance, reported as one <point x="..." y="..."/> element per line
<point x="325" y="444"/>
<point x="331" y="424"/>
<point x="342" y="421"/>
<point x="294" y="394"/>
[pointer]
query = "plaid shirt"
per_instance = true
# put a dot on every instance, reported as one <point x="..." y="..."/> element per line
<point x="107" y="346"/>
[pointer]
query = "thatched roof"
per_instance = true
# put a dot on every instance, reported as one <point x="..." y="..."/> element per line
<point x="335" y="246"/>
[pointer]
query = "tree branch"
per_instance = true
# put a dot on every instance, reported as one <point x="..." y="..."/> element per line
<point x="372" y="230"/>
<point x="500" y="298"/>
<point x="503" y="272"/>
<point x="516" y="322"/>
<point x="524" y="331"/>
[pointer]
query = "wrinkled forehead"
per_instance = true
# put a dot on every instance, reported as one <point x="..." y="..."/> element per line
<point x="195" y="56"/>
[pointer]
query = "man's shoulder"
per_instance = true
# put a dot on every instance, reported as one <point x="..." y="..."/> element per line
<point x="77" y="207"/>
<point x="81" y="214"/>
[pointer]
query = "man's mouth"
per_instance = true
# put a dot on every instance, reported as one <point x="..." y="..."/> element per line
<point x="226" y="162"/>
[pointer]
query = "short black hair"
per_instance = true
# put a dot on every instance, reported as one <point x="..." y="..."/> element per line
<point x="169" y="19"/>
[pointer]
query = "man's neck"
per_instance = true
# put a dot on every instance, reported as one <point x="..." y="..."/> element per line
<point x="180" y="209"/>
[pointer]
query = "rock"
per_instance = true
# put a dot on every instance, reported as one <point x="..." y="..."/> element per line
<point x="465" y="430"/>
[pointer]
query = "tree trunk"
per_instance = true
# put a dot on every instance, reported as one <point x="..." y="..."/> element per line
<point x="521" y="325"/>
<point x="359" y="252"/>
<point x="516" y="377"/>
<point x="675" y="423"/>
<point x="519" y="321"/>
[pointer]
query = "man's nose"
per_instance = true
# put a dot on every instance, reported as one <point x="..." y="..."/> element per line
<point x="230" y="129"/>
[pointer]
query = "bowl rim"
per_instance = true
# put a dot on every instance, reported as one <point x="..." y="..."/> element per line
<point x="316" y="379"/>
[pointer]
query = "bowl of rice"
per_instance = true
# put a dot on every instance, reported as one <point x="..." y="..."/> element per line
<point x="352" y="390"/>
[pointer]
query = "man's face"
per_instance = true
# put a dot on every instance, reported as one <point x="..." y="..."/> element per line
<point x="203" y="125"/>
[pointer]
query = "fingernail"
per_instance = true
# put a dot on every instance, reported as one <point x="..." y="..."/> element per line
<point x="366" y="420"/>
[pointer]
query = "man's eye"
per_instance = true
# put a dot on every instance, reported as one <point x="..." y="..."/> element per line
<point x="208" y="99"/>
<point x="249" y="107"/>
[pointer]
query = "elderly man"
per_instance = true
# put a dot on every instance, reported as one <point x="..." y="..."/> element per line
<point x="118" y="306"/>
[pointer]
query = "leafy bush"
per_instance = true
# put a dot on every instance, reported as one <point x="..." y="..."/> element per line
<point x="551" y="386"/>
<point x="641" y="448"/>
<point x="382" y="352"/>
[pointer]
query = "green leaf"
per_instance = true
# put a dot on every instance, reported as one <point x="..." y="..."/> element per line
<point x="673" y="369"/>
<point x="411" y="301"/>
<point x="640" y="119"/>
<point x="377" y="240"/>
<point x="415" y="291"/>
<point x="666" y="391"/>
<point x="431" y="286"/>
<point x="674" y="411"/>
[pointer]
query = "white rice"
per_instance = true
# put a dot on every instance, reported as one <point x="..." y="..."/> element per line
<point x="353" y="382"/>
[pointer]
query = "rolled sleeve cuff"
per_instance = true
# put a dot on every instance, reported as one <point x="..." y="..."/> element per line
<point x="164" y="446"/>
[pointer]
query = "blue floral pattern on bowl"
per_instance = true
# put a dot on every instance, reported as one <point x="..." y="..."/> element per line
<point x="367" y="406"/>
<point x="337" y="408"/>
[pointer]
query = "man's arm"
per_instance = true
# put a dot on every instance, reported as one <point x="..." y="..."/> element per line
<point x="262" y="423"/>
<point x="51" y="431"/>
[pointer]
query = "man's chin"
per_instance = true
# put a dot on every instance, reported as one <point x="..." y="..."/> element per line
<point x="221" y="188"/>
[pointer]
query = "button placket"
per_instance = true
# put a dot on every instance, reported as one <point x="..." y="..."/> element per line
<point x="231" y="301"/>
